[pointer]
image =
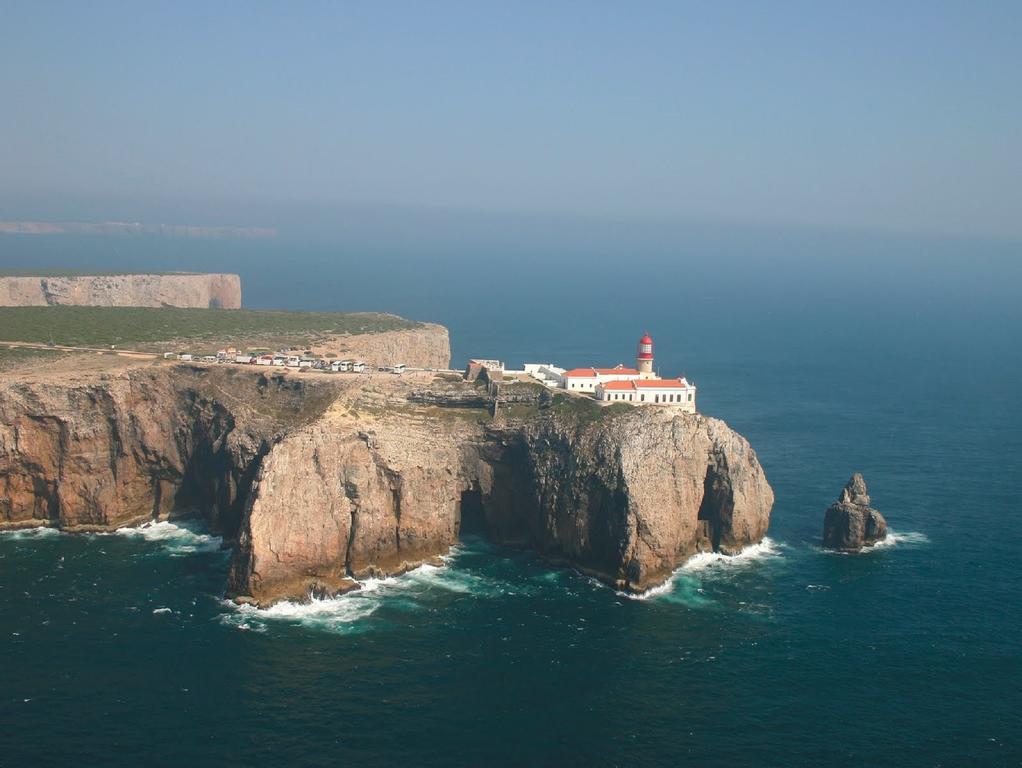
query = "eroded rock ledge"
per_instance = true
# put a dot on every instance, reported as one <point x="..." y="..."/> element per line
<point x="321" y="480"/>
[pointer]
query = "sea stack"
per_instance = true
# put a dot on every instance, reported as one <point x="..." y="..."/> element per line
<point x="850" y="523"/>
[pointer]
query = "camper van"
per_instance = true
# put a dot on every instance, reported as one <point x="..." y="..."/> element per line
<point x="399" y="368"/>
<point x="358" y="367"/>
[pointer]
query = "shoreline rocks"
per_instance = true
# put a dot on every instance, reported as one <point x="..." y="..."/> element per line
<point x="850" y="523"/>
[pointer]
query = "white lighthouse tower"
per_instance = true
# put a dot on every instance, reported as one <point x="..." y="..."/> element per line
<point x="644" y="358"/>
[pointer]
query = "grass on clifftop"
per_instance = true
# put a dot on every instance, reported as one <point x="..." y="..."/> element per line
<point x="10" y="358"/>
<point x="584" y="410"/>
<point x="142" y="328"/>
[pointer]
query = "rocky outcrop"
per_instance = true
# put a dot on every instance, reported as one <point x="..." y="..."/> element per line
<point x="850" y="523"/>
<point x="624" y="495"/>
<point x="321" y="481"/>
<point x="220" y="291"/>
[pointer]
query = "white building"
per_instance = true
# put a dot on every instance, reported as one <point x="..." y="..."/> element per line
<point x="637" y="385"/>
<point x="587" y="379"/>
<point x="656" y="391"/>
<point x="548" y="373"/>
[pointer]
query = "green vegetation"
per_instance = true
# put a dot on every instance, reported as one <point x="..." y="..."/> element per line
<point x="11" y="357"/>
<point x="161" y="329"/>
<point x="584" y="410"/>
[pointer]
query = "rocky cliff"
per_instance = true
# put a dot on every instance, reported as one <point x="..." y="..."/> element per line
<point x="427" y="346"/>
<point x="170" y="290"/>
<point x="386" y="480"/>
<point x="322" y="480"/>
<point x="112" y="450"/>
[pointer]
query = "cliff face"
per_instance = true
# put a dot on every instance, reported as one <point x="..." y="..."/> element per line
<point x="195" y="291"/>
<point x="624" y="496"/>
<point x="427" y="346"/>
<point x="325" y="480"/>
<point x="108" y="451"/>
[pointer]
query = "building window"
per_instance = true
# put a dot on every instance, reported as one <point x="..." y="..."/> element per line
<point x="690" y="397"/>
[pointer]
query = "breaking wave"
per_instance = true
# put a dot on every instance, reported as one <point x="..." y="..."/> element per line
<point x="337" y="614"/>
<point x="180" y="538"/>
<point x="894" y="539"/>
<point x="764" y="550"/>
<point x="684" y="586"/>
<point x="348" y="614"/>
<point x="40" y="532"/>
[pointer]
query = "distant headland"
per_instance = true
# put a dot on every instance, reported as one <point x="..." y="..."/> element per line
<point x="131" y="228"/>
<point x="184" y="290"/>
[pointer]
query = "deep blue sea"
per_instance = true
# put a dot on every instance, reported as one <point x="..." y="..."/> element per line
<point x="895" y="357"/>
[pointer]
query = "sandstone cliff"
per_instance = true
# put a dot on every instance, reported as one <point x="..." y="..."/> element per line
<point x="377" y="486"/>
<point x="427" y="346"/>
<point x="320" y="481"/>
<point x="113" y="450"/>
<point x="171" y="290"/>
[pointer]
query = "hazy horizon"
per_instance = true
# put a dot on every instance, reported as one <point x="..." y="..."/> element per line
<point x="877" y="118"/>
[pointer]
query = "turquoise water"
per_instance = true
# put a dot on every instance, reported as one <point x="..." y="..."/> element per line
<point x="118" y="649"/>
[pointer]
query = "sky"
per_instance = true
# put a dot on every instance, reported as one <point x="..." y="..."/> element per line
<point x="888" y="116"/>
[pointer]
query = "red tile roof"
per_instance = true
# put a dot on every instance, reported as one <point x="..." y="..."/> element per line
<point x="592" y="373"/>
<point x="654" y="383"/>
<point x="615" y="386"/>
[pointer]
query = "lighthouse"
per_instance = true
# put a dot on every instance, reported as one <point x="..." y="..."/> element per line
<point x="644" y="358"/>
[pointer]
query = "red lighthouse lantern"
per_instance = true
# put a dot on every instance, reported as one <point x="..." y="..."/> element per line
<point x="645" y="347"/>
<point x="644" y="358"/>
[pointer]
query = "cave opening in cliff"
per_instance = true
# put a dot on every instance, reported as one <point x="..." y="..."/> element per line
<point x="471" y="516"/>
<point x="708" y="518"/>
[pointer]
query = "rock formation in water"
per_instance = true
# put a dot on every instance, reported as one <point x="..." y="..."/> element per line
<point x="850" y="523"/>
<point x="216" y="291"/>
<point x="320" y="480"/>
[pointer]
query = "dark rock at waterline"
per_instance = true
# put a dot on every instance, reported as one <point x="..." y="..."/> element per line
<point x="850" y="523"/>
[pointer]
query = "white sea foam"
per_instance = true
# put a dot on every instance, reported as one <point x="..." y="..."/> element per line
<point x="40" y="532"/>
<point x="764" y="550"/>
<point x="894" y="539"/>
<point x="349" y="613"/>
<point x="337" y="614"/>
<point x="178" y="538"/>
<point x="682" y="586"/>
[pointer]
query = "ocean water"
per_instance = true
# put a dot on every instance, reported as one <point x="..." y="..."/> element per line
<point x="897" y="358"/>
